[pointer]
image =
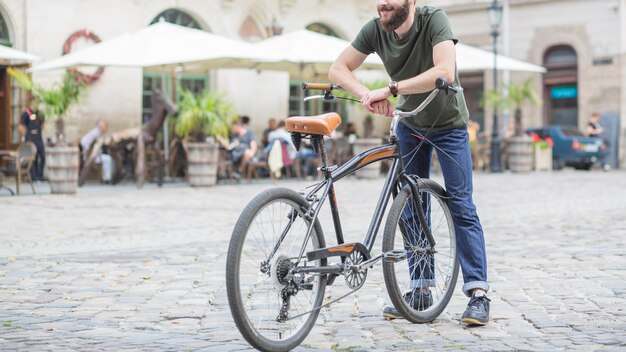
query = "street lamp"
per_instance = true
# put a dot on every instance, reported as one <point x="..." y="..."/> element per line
<point x="495" y="19"/>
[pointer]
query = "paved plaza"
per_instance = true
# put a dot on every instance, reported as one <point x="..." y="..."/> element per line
<point x="118" y="269"/>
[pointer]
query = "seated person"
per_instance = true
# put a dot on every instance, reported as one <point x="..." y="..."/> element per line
<point x="287" y="154"/>
<point x="101" y="158"/>
<point x="281" y="134"/>
<point x="242" y="146"/>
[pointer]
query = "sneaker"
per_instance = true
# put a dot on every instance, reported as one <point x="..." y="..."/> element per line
<point x="416" y="298"/>
<point x="477" y="312"/>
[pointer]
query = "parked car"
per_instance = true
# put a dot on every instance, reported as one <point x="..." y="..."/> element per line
<point x="571" y="147"/>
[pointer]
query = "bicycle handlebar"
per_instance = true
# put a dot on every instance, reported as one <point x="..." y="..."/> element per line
<point x="441" y="84"/>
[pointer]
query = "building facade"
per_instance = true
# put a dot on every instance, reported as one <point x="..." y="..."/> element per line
<point x="581" y="42"/>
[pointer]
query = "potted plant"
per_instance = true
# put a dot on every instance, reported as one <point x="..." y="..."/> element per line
<point x="519" y="147"/>
<point x="200" y="120"/>
<point x="62" y="160"/>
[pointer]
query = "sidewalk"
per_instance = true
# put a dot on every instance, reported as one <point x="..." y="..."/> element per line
<point x="117" y="269"/>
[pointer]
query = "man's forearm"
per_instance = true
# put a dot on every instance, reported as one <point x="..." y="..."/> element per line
<point x="424" y="82"/>
<point x="343" y="77"/>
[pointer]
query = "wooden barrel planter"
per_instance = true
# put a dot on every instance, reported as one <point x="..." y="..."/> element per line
<point x="202" y="161"/>
<point x="372" y="170"/>
<point x="520" y="154"/>
<point x="62" y="164"/>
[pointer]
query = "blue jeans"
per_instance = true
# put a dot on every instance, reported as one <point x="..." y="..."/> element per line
<point x="470" y="240"/>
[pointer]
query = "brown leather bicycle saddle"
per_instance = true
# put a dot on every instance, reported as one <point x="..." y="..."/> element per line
<point x="323" y="124"/>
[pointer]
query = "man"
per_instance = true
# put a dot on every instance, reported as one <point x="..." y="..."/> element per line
<point x="242" y="146"/>
<point x="417" y="46"/>
<point x="105" y="159"/>
<point x="594" y="129"/>
<point x="31" y="127"/>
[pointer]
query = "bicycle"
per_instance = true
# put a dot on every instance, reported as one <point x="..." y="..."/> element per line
<point x="278" y="264"/>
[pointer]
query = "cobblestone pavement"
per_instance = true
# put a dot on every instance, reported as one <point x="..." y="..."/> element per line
<point x="117" y="269"/>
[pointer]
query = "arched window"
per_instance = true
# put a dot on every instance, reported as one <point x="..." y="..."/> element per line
<point x="250" y="31"/>
<point x="177" y="17"/>
<point x="561" y="86"/>
<point x="322" y="28"/>
<point x="5" y="38"/>
<point x="194" y="82"/>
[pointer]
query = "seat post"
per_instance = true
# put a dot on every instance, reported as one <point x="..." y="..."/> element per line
<point x="321" y="147"/>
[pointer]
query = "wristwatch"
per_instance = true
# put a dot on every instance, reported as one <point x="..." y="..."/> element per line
<point x="393" y="88"/>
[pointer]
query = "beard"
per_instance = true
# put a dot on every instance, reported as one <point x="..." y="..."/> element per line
<point x="397" y="17"/>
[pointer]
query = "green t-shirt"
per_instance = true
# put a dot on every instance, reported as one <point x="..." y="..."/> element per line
<point x="410" y="56"/>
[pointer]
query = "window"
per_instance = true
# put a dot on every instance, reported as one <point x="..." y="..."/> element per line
<point x="5" y="38"/>
<point x="152" y="80"/>
<point x="193" y="82"/>
<point x="176" y="17"/>
<point x="473" y="89"/>
<point x="19" y="98"/>
<point x="323" y="29"/>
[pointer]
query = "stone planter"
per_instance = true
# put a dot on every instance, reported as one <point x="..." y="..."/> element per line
<point x="202" y="161"/>
<point x="372" y="170"/>
<point x="62" y="164"/>
<point x="520" y="154"/>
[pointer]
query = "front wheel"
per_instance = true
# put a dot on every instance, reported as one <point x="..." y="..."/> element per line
<point x="272" y="304"/>
<point x="421" y="285"/>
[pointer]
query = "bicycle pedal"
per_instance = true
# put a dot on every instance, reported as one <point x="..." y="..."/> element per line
<point x="394" y="256"/>
<point x="330" y="279"/>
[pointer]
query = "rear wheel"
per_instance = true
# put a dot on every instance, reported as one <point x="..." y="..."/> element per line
<point x="274" y="308"/>
<point x="421" y="285"/>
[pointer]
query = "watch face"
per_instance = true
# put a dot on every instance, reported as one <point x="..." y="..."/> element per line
<point x="393" y="88"/>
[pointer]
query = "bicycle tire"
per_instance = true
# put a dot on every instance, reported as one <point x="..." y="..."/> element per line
<point x="242" y="304"/>
<point x="444" y="263"/>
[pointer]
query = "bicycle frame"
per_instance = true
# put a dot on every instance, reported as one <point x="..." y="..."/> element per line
<point x="333" y="174"/>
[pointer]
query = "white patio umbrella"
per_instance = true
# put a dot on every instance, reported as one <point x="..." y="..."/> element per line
<point x="161" y="45"/>
<point x="11" y="56"/>
<point x="469" y="58"/>
<point x="305" y="54"/>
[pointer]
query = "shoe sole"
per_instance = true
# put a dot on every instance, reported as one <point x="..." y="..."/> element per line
<point x="473" y="321"/>
<point x="390" y="316"/>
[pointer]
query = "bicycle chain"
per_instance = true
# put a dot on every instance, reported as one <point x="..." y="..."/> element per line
<point x="325" y="304"/>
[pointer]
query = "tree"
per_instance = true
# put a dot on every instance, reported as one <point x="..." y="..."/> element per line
<point x="517" y="97"/>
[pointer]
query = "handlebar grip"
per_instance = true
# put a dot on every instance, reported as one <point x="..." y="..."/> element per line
<point x="442" y="84"/>
<point x="320" y="86"/>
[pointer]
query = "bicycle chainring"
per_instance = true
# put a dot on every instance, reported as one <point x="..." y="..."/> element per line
<point x="355" y="278"/>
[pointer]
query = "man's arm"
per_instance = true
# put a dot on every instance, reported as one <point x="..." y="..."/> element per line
<point x="254" y="147"/>
<point x="341" y="73"/>
<point x="444" y="58"/>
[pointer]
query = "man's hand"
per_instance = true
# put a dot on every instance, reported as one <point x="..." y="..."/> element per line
<point x="376" y="102"/>
<point x="383" y="107"/>
<point x="374" y="96"/>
